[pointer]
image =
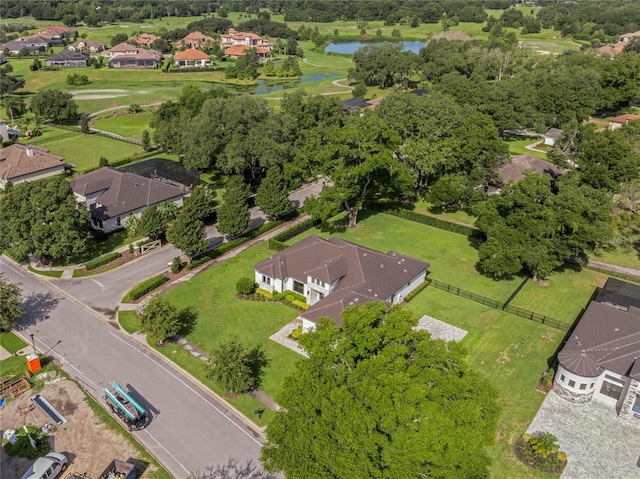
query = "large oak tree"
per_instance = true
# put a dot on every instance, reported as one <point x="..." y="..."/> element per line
<point x="379" y="400"/>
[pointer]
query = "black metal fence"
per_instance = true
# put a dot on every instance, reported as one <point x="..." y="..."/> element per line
<point x="492" y="303"/>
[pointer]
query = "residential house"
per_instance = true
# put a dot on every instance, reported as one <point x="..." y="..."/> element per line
<point x="601" y="359"/>
<point x="89" y="46"/>
<point x="112" y="195"/>
<point x="57" y="32"/>
<point x="249" y="39"/>
<point x="20" y="163"/>
<point x="241" y="50"/>
<point x="611" y="50"/>
<point x="552" y="136"/>
<point x="37" y="41"/>
<point x="195" y="40"/>
<point x="520" y="164"/>
<point x="192" y="58"/>
<point x="14" y="47"/>
<point x="333" y="274"/>
<point x="627" y="37"/>
<point x="68" y="59"/>
<point x="125" y="55"/>
<point x="353" y="104"/>
<point x="620" y="121"/>
<point x="144" y="39"/>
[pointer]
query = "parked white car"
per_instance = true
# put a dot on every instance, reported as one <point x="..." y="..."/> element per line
<point x="47" y="467"/>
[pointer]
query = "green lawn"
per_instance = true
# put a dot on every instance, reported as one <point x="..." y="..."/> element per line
<point x="517" y="146"/>
<point x="11" y="342"/>
<point x="568" y="292"/>
<point x="512" y="353"/>
<point x="130" y="126"/>
<point x="452" y="256"/>
<point x="83" y="151"/>
<point x="458" y="216"/>
<point x="619" y="255"/>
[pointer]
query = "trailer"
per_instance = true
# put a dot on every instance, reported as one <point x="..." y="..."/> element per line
<point x="125" y="407"/>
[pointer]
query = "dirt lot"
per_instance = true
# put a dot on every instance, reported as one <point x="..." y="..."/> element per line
<point x="88" y="444"/>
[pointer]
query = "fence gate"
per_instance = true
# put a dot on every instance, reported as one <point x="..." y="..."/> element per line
<point x="153" y="245"/>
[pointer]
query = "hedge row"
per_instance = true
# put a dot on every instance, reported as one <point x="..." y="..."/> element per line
<point x="96" y="263"/>
<point x="145" y="287"/>
<point x="278" y="242"/>
<point x="416" y="291"/>
<point x="429" y="220"/>
<point x="290" y="296"/>
<point x="229" y="245"/>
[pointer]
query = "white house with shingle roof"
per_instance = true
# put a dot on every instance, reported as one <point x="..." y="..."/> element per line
<point x="601" y="358"/>
<point x="20" y="163"/>
<point x="112" y="195"/>
<point x="333" y="274"/>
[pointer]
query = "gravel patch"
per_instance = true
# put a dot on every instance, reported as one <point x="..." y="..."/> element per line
<point x="598" y="443"/>
<point x="440" y="330"/>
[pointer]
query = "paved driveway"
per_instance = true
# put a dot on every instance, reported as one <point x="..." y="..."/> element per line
<point x="598" y="443"/>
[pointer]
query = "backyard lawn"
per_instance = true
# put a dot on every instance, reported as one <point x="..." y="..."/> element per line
<point x="517" y="146"/>
<point x="512" y="353"/>
<point x="568" y="292"/>
<point x="130" y="126"/>
<point x="452" y="256"/>
<point x="83" y="151"/>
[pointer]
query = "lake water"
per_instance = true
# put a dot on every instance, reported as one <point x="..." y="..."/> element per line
<point x="267" y="86"/>
<point x="349" y="48"/>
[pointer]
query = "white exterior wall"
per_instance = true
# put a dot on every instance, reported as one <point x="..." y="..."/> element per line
<point x="111" y="224"/>
<point x="606" y="399"/>
<point x="399" y="295"/>
<point x="38" y="175"/>
<point x="274" y="285"/>
<point x="307" y="326"/>
<point x="549" y="141"/>
<point x="563" y="379"/>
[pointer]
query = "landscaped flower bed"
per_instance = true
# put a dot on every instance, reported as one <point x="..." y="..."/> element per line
<point x="541" y="452"/>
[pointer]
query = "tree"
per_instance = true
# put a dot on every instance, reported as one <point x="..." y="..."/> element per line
<point x="377" y="399"/>
<point x="273" y="196"/>
<point x="15" y="107"/>
<point x="235" y="367"/>
<point x="152" y="224"/>
<point x="146" y="140"/>
<point x="36" y="65"/>
<point x="537" y="223"/>
<point x="43" y="218"/>
<point x="10" y="303"/>
<point x="84" y="126"/>
<point x="54" y="105"/>
<point x="233" y="214"/>
<point x="118" y="38"/>
<point x="362" y="166"/>
<point x="201" y="203"/>
<point x="160" y="319"/>
<point x="383" y="65"/>
<point x="187" y="234"/>
<point x="8" y="83"/>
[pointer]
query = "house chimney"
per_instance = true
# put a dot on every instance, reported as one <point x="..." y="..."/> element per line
<point x="29" y="150"/>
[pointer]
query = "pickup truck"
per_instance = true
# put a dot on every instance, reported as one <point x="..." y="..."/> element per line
<point x="47" y="467"/>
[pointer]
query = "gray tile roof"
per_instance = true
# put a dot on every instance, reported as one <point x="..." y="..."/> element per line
<point x="554" y="133"/>
<point x="363" y="274"/>
<point x="606" y="338"/>
<point x="122" y="192"/>
<point x="514" y="171"/>
<point x="69" y="55"/>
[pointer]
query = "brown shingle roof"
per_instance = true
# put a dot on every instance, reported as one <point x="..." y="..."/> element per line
<point x="514" y="171"/>
<point x="123" y="192"/>
<point x="241" y="50"/>
<point x="608" y="336"/>
<point x="15" y="160"/>
<point x="362" y="274"/>
<point x="191" y="54"/>
<point x="624" y="119"/>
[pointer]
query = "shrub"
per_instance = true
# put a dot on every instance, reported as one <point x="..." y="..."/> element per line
<point x="299" y="304"/>
<point x="96" y="263"/>
<point x="23" y="448"/>
<point x="290" y="296"/>
<point x="265" y="293"/>
<point x="541" y="452"/>
<point x="246" y="286"/>
<point x="416" y="291"/>
<point x="296" y="333"/>
<point x="428" y="220"/>
<point x="176" y="265"/>
<point x="145" y="287"/>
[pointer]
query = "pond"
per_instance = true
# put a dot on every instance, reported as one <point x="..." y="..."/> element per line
<point x="267" y="86"/>
<point x="349" y="48"/>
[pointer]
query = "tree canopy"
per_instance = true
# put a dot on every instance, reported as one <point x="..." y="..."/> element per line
<point x="43" y="218"/>
<point x="233" y="214"/>
<point x="54" y="105"/>
<point x="378" y="399"/>
<point x="188" y="233"/>
<point x="10" y="303"/>
<point x="273" y="195"/>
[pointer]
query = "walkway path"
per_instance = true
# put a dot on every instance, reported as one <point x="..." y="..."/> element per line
<point x="614" y="268"/>
<point x="532" y="147"/>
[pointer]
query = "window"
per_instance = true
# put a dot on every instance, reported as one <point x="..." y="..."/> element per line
<point x="266" y="279"/>
<point x="572" y="383"/>
<point x="592" y="384"/>
<point x="636" y="404"/>
<point x="611" y="387"/>
<point x="298" y="287"/>
<point x="583" y="387"/>
<point x="562" y="378"/>
<point x="118" y="221"/>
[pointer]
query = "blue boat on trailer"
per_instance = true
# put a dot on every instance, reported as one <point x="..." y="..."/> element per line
<point x="125" y="407"/>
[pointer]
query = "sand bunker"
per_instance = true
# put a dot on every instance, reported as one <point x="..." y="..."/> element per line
<point x="103" y="94"/>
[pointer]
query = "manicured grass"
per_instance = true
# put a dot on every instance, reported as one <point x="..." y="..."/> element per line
<point x="619" y="255"/>
<point x="11" y="342"/>
<point x="458" y="216"/>
<point x="452" y="256"/>
<point x="568" y="292"/>
<point x="129" y="321"/>
<point x="84" y="151"/>
<point x="50" y="274"/>
<point x="130" y="126"/>
<point x="95" y="248"/>
<point x="512" y="353"/>
<point x="517" y="146"/>
<point x="13" y="366"/>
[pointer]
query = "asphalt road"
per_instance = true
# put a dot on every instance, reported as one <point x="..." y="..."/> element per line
<point x="190" y="429"/>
